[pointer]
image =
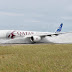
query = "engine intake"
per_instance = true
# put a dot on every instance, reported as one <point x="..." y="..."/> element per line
<point x="35" y="38"/>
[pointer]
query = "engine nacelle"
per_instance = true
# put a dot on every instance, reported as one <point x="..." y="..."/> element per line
<point x="35" y="38"/>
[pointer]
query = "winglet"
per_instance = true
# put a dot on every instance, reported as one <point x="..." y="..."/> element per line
<point x="59" y="28"/>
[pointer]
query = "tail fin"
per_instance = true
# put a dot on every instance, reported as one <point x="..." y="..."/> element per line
<point x="59" y="28"/>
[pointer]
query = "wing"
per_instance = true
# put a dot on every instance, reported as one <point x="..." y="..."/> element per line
<point x="38" y="38"/>
<point x="44" y="35"/>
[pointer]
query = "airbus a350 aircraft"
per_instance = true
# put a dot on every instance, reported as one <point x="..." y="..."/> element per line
<point x="16" y="36"/>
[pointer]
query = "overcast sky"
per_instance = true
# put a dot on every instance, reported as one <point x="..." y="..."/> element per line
<point x="36" y="15"/>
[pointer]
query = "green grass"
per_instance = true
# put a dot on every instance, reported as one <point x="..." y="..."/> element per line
<point x="36" y="58"/>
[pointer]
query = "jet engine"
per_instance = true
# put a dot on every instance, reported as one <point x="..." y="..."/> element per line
<point x="35" y="38"/>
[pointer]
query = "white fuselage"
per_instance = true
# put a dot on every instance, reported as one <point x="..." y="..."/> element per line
<point x="17" y="36"/>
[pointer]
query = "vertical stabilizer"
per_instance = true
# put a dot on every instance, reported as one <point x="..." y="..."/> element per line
<point x="59" y="28"/>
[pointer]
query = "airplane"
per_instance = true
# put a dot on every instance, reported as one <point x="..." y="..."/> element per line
<point x="17" y="36"/>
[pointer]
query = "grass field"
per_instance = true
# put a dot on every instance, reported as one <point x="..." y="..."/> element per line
<point x="36" y="58"/>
